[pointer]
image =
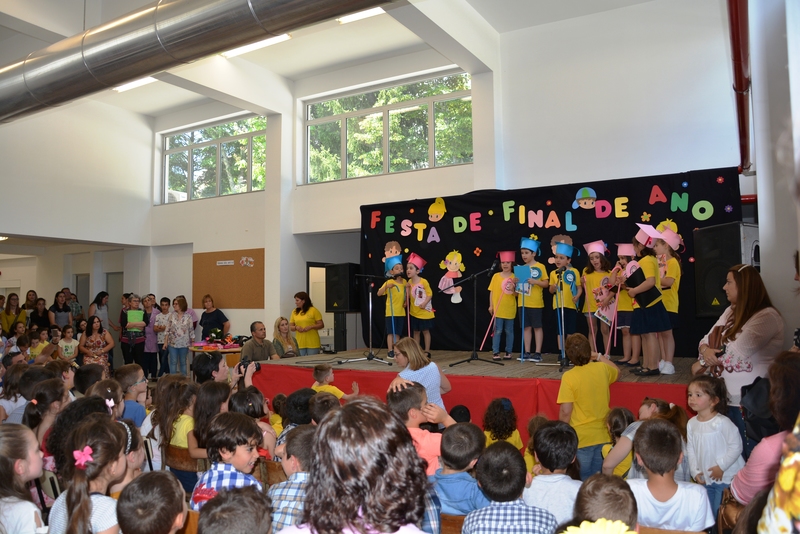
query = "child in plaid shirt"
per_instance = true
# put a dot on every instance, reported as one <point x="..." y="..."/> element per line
<point x="231" y="443"/>
<point x="289" y="497"/>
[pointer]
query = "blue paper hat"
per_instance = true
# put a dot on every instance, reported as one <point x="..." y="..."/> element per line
<point x="530" y="244"/>
<point x="392" y="261"/>
<point x="565" y="249"/>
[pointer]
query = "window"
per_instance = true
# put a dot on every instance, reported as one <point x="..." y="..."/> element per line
<point x="408" y="127"/>
<point x="217" y="160"/>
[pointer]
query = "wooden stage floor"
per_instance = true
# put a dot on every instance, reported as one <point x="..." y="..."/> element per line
<point x="510" y="369"/>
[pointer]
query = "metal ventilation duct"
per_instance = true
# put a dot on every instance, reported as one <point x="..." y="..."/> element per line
<point x="160" y="36"/>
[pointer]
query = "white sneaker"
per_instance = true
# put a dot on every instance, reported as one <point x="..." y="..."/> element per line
<point x="661" y="365"/>
<point x="668" y="369"/>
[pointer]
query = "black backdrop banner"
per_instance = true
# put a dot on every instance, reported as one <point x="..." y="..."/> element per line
<point x="465" y="232"/>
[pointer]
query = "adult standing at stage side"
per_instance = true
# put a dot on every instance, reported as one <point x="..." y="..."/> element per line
<point x="213" y="318"/>
<point x="258" y="347"/>
<point x="180" y="335"/>
<point x="751" y="330"/>
<point x="419" y="369"/>
<point x="306" y="321"/>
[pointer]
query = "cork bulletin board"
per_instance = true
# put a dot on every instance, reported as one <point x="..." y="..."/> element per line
<point x="235" y="278"/>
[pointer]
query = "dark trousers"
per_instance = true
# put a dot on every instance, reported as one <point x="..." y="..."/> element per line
<point x="150" y="364"/>
<point x="133" y="353"/>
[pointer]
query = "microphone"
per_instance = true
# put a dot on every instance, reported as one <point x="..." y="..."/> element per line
<point x="493" y="267"/>
<point x="561" y="269"/>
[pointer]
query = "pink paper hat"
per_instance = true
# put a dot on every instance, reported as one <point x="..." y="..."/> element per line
<point x="417" y="260"/>
<point x="507" y="255"/>
<point x="647" y="234"/>
<point x="625" y="249"/>
<point x="674" y="240"/>
<point x="595" y="246"/>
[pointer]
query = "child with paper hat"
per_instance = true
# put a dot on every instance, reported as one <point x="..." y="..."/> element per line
<point x="502" y="305"/>
<point x="631" y="345"/>
<point x="529" y="297"/>
<point x="670" y="269"/>
<point x="394" y="289"/>
<point x="644" y="285"/>
<point x="420" y="296"/>
<point x="565" y="283"/>
<point x="596" y="281"/>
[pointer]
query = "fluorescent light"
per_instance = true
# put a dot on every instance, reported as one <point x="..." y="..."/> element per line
<point x="361" y="15"/>
<point x="3" y="238"/>
<point x="255" y="46"/>
<point x="134" y="84"/>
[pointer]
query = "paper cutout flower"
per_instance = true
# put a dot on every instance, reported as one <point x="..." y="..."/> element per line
<point x="411" y="210"/>
<point x="549" y="203"/>
<point x="691" y="260"/>
<point x="720" y="180"/>
<point x="82" y="457"/>
<point x="728" y="208"/>
<point x="477" y="251"/>
<point x="646" y="216"/>
<point x="684" y="184"/>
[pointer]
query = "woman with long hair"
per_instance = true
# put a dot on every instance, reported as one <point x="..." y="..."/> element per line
<point x="60" y="313"/>
<point x="284" y="342"/>
<point x="180" y="335"/>
<point x="306" y="320"/>
<point x="13" y="313"/>
<point x="96" y="345"/>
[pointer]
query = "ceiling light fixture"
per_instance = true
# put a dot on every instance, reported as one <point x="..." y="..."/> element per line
<point x="361" y="15"/>
<point x="134" y="84"/>
<point x="3" y="237"/>
<point x="256" y="46"/>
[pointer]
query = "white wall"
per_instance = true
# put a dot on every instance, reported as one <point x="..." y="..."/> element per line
<point x="18" y="273"/>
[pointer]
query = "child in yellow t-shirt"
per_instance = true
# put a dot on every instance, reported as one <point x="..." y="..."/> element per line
<point x="531" y="304"/>
<point x="420" y="296"/>
<point x="394" y="289"/>
<point x="502" y="304"/>
<point x="670" y="282"/>
<point x="565" y="284"/>
<point x="631" y="345"/>
<point x="617" y="420"/>
<point x="596" y="281"/>
<point x="323" y="376"/>
<point x="500" y="423"/>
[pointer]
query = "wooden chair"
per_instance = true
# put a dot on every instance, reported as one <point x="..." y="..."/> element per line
<point x="178" y="458"/>
<point x="275" y="474"/>
<point x="190" y="525"/>
<point x="148" y="452"/>
<point x="651" y="530"/>
<point x="451" y="524"/>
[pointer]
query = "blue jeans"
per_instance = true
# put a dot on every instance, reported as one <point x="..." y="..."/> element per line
<point x="163" y="357"/>
<point x="503" y="326"/>
<point x="309" y="352"/>
<point x="591" y="460"/>
<point x="177" y="359"/>
<point x="714" y="491"/>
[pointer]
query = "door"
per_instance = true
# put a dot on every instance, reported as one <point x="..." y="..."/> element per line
<point x="114" y="285"/>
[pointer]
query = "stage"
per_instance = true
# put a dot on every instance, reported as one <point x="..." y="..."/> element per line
<point x="532" y="388"/>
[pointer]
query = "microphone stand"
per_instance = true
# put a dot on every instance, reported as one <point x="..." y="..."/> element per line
<point x="474" y="356"/>
<point x="370" y="357"/>
<point x="561" y="326"/>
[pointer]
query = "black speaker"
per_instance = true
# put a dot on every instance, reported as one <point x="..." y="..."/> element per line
<point x="717" y="249"/>
<point x="341" y="294"/>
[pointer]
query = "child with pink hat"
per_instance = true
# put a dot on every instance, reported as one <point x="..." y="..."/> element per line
<point x="670" y="269"/>
<point x="565" y="282"/>
<point x="631" y="345"/>
<point x="420" y="296"/>
<point x="503" y="304"/>
<point x="596" y="281"/>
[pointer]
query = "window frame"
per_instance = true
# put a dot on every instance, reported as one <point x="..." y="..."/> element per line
<point x="385" y="111"/>
<point x="166" y="153"/>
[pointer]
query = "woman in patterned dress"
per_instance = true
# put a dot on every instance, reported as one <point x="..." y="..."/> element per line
<point x="95" y="345"/>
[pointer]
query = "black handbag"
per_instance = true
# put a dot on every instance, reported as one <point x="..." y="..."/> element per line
<point x="758" y="419"/>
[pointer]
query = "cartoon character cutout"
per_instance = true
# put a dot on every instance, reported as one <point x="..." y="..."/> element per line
<point x="391" y="249"/>
<point x="436" y="210"/>
<point x="560" y="238"/>
<point x="452" y="263"/>
<point x="585" y="198"/>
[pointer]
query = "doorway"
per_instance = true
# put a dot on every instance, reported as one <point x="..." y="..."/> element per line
<point x="114" y="287"/>
<point x="82" y="292"/>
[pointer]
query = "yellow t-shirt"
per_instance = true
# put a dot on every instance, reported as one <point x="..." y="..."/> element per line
<point x="530" y="460"/>
<point x="329" y="389"/>
<point x="35" y="351"/>
<point x="277" y="423"/>
<point x="183" y="425"/>
<point x="587" y="388"/>
<point x="649" y="264"/>
<point x="624" y="301"/>
<point x="624" y="466"/>
<point x="670" y="295"/>
<point x="503" y="291"/>
<point x="534" y="300"/>
<point x="310" y="339"/>
<point x="513" y="439"/>
<point x="395" y="298"/>
<point x="595" y="280"/>
<point x="565" y="288"/>
<point x="416" y="311"/>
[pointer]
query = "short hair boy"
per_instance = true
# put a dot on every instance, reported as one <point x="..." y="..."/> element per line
<point x="565" y="283"/>
<point x="236" y="511"/>
<point x="154" y="503"/>
<point x="288" y="497"/>
<point x="296" y="411"/>
<point x="460" y="414"/>
<point x="605" y="497"/>
<point x="323" y="376"/>
<point x="27" y="383"/>
<point x="134" y="385"/>
<point x="555" y="446"/>
<point x="411" y="405"/>
<point x="657" y="445"/>
<point x="322" y="403"/>
<point x="462" y="445"/>
<point x="87" y="376"/>
<point x="502" y="476"/>
<point x="232" y="441"/>
<point x="532" y="304"/>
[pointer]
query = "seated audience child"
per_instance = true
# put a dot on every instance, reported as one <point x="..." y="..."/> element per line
<point x="323" y="378"/>
<point x="378" y="483"/>
<point x="134" y="458"/>
<point x="605" y="497"/>
<point x="66" y="372"/>
<point x="662" y="502"/>
<point x="288" y="497"/>
<point x="30" y="378"/>
<point x="175" y="417"/>
<point x="412" y="407"/>
<point x="462" y="445"/>
<point x="212" y="398"/>
<point x="110" y="391"/>
<point x="460" y="414"/>
<point x="500" y="423"/>
<point x="232" y="446"/>
<point x="276" y="419"/>
<point x="11" y="398"/>
<point x="295" y="412"/>
<point x="502" y="477"/>
<point x="236" y="511"/>
<point x="250" y="401"/>
<point x="70" y="417"/>
<point x="154" y="503"/>
<point x="533" y="425"/>
<point x="134" y="385"/>
<point x="617" y="421"/>
<point x="20" y="463"/>
<point x="322" y="403"/>
<point x="87" y="376"/>
<point x="555" y="447"/>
